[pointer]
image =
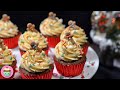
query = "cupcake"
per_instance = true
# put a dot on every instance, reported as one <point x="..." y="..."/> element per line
<point x="69" y="58"/>
<point x="35" y="64"/>
<point x="52" y="27"/>
<point x="29" y="36"/>
<point x="9" y="32"/>
<point x="6" y="58"/>
<point x="78" y="34"/>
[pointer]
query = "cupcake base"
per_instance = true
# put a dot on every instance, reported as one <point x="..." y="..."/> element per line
<point x="12" y="42"/>
<point x="44" y="75"/>
<point x="70" y="69"/>
<point x="14" y="70"/>
<point x="52" y="41"/>
<point x="85" y="48"/>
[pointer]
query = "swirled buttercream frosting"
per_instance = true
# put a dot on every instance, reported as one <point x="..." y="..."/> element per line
<point x="52" y="26"/>
<point x="77" y="32"/>
<point x="32" y="35"/>
<point x="68" y="50"/>
<point x="7" y="28"/>
<point x="35" y="61"/>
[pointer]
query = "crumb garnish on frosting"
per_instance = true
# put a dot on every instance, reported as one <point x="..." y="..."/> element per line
<point x="34" y="46"/>
<point x="7" y="28"/>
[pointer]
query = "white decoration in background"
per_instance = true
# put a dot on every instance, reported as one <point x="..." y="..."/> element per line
<point x="116" y="63"/>
<point x="103" y="42"/>
<point x="100" y="39"/>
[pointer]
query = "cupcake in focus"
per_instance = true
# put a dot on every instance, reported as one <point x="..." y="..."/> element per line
<point x="69" y="58"/>
<point x="52" y="27"/>
<point x="6" y="58"/>
<point x="29" y="36"/>
<point x="9" y="32"/>
<point x="78" y="34"/>
<point x="35" y="64"/>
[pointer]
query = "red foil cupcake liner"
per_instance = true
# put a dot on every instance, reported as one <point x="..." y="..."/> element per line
<point x="85" y="48"/>
<point x="14" y="70"/>
<point x="47" y="75"/>
<point x="22" y="52"/>
<point x="53" y="41"/>
<point x="69" y="70"/>
<point x="46" y="51"/>
<point x="12" y="42"/>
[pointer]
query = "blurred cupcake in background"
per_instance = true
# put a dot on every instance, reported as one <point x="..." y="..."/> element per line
<point x="51" y="28"/>
<point x="29" y="36"/>
<point x="35" y="64"/>
<point x="69" y="58"/>
<point x="6" y="58"/>
<point x="78" y="35"/>
<point x="9" y="32"/>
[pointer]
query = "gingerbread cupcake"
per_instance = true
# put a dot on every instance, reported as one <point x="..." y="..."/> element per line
<point x="69" y="58"/>
<point x="78" y="34"/>
<point x="6" y="58"/>
<point x="35" y="64"/>
<point x="9" y="32"/>
<point x="29" y="36"/>
<point x="52" y="27"/>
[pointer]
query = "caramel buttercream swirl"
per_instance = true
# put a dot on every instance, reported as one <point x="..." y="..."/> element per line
<point x="32" y="35"/>
<point x="52" y="26"/>
<point x="35" y="61"/>
<point x="7" y="28"/>
<point x="6" y="57"/>
<point x="67" y="50"/>
<point x="77" y="32"/>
